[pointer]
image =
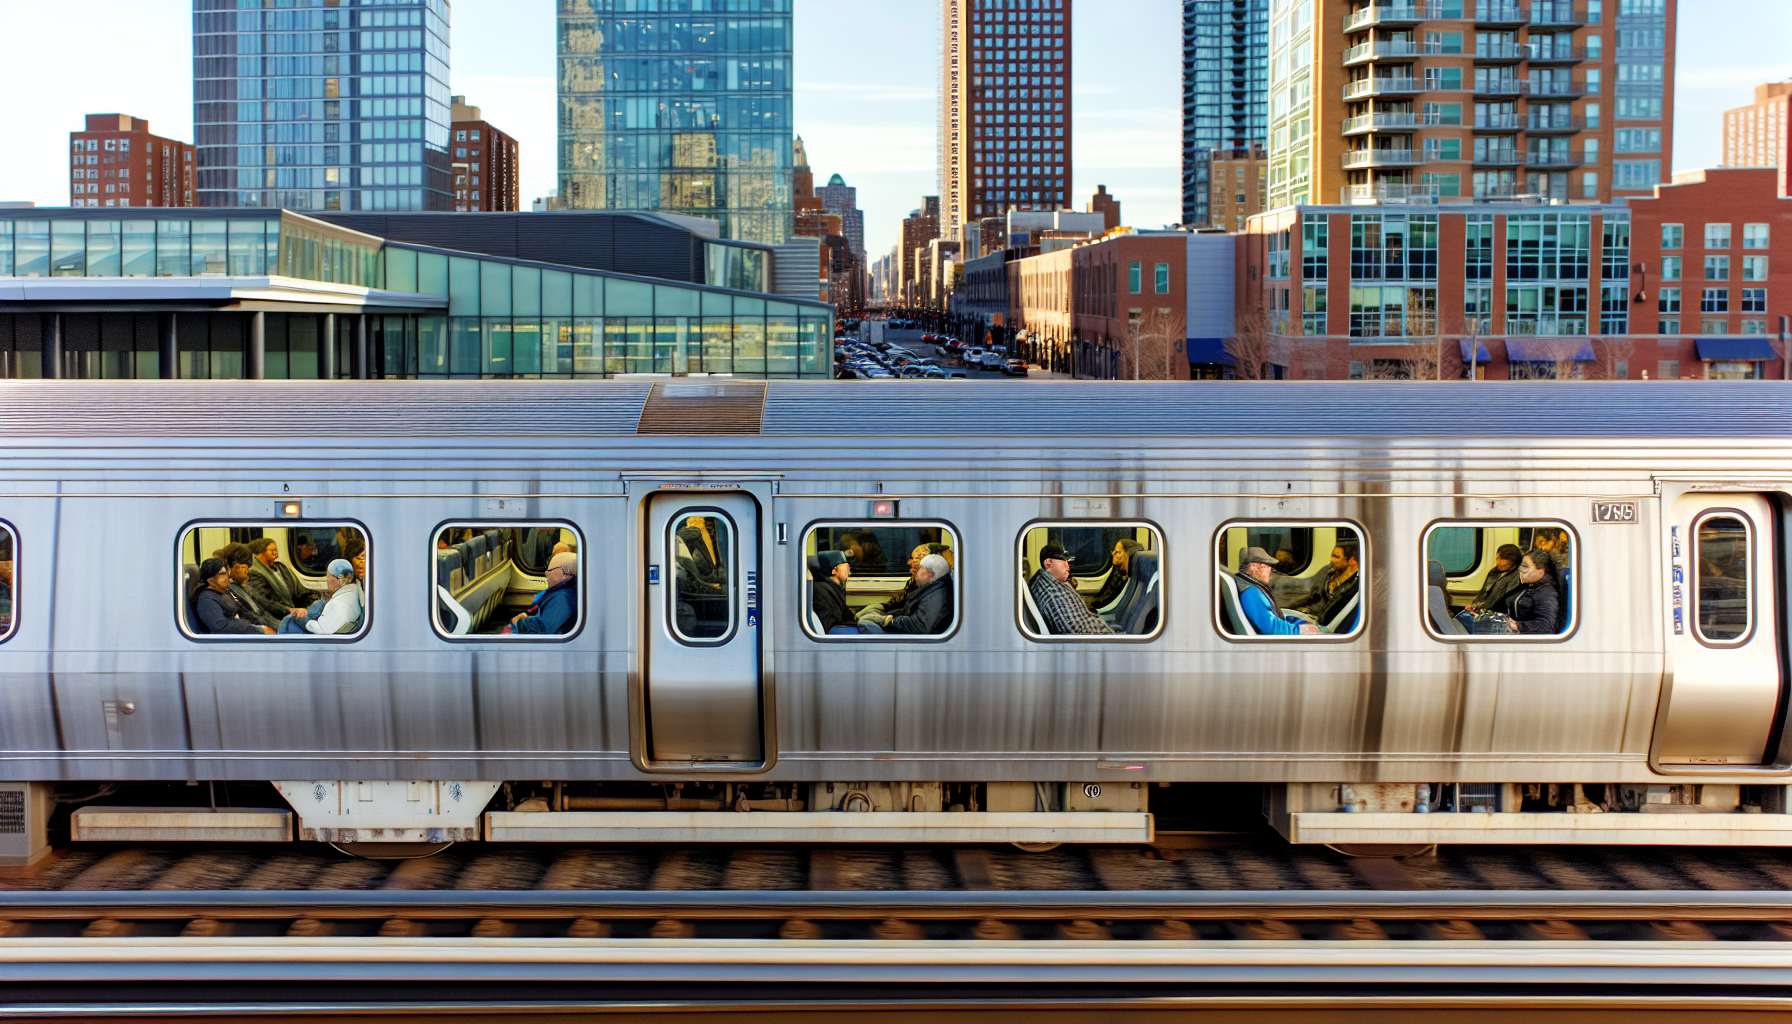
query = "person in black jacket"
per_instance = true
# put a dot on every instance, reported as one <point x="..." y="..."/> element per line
<point x="1536" y="607"/>
<point x="929" y="611"/>
<point x="830" y="591"/>
<point x="215" y="606"/>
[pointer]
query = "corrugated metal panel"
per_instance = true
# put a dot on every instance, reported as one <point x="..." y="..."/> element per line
<point x="1211" y="280"/>
<point x="703" y="408"/>
<point x="1472" y="412"/>
<point x="269" y="409"/>
<point x="796" y="268"/>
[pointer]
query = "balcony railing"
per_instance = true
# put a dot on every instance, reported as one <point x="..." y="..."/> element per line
<point x="1393" y="122"/>
<point x="1498" y="12"/>
<point x="1380" y="158"/>
<point x="1521" y="191"/>
<point x="1554" y="124"/>
<point x="1500" y="86"/>
<point x="1559" y="89"/>
<point x="1557" y="54"/>
<point x="1563" y="160"/>
<point x="1498" y="157"/>
<point x="1556" y="13"/>
<point x="1391" y="14"/>
<point x="1380" y="87"/>
<point x="1507" y="52"/>
<point x="1390" y="50"/>
<point x="1498" y="122"/>
<point x="1394" y="193"/>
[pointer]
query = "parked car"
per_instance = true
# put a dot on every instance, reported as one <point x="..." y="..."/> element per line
<point x="954" y="373"/>
<point x="992" y="361"/>
<point x="971" y="356"/>
<point x="1015" y="368"/>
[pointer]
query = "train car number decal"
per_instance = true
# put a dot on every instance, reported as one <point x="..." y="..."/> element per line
<point x="1615" y="512"/>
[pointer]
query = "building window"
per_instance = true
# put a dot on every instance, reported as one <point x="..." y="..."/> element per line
<point x="1634" y="175"/>
<point x="1670" y="268"/>
<point x="1312" y="588"/>
<point x="1714" y="300"/>
<point x="1312" y="317"/>
<point x="1754" y="327"/>
<point x="8" y="581"/>
<point x="1163" y="279"/>
<point x="856" y="572"/>
<point x="1090" y="582"/>
<point x="1754" y="268"/>
<point x="1589" y="185"/>
<point x="1669" y="300"/>
<point x="1478" y="257"/>
<point x="1314" y="234"/>
<point x="1754" y="236"/>
<point x="1135" y="282"/>
<point x="1754" y="300"/>
<point x="1717" y="236"/>
<point x="1716" y="325"/>
<point x="1717" y="268"/>
<point x="1672" y="235"/>
<point x="1671" y="326"/>
<point x="1667" y="369"/>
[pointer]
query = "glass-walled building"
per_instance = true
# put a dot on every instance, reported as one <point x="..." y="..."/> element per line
<point x="279" y="295"/>
<point x="683" y="106"/>
<point x="322" y="104"/>
<point x="1225" y="91"/>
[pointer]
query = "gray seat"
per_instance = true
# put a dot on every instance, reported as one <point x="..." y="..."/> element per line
<point x="1141" y="616"/>
<point x="1345" y="620"/>
<point x="1231" y="610"/>
<point x="1437" y="604"/>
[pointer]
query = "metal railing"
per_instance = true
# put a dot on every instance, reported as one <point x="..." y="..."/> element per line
<point x="1499" y="122"/>
<point x="1379" y="157"/>
<point x="1391" y="48"/>
<point x="1554" y="124"/>
<point x="1379" y="14"/>
<point x="1508" y="51"/>
<point x="1394" y="193"/>
<point x="1380" y="87"/>
<point x="1501" y="86"/>
<point x="1498" y="11"/>
<point x="1372" y="122"/>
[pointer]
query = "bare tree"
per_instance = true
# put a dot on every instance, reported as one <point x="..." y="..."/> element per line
<point x="1609" y="350"/>
<point x="1553" y="358"/>
<point x="1151" y="344"/>
<point x="1251" y="343"/>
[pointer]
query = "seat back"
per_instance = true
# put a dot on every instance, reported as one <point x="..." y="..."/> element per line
<point x="1030" y="615"/>
<point x="189" y="588"/>
<point x="1117" y="607"/>
<point x="1231" y="610"/>
<point x="1567" y="594"/>
<point x="1437" y="603"/>
<point x="1345" y="620"/>
<point x="1142" y="615"/>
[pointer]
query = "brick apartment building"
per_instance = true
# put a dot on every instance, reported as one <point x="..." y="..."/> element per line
<point x="115" y="162"/>
<point x="484" y="160"/>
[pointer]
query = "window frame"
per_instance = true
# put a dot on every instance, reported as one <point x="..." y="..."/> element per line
<point x="1364" y="561"/>
<point x="848" y="522"/>
<point x="1574" y="540"/>
<point x="736" y="602"/>
<point x="1020" y="601"/>
<point x="516" y="524"/>
<point x="12" y="628"/>
<point x="180" y="597"/>
<point x="1750" y="532"/>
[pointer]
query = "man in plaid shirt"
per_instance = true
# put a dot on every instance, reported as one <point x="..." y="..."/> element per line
<point x="1064" y="610"/>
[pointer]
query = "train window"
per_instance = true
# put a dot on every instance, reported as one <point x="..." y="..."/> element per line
<point x="704" y="594"/>
<point x="1290" y="580"/>
<point x="1724" y="609"/>
<point x="7" y="586"/>
<point x="277" y="580"/>
<point x="880" y="580"/>
<point x="1491" y="580"/>
<point x="1082" y="582"/>
<point x="507" y="580"/>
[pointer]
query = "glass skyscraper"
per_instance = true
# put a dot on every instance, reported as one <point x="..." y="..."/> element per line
<point x="679" y="106"/>
<point x="322" y="104"/>
<point x="1225" y="89"/>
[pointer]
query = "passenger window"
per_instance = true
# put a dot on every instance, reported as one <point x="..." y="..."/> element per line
<point x="7" y="544"/>
<point x="1724" y="600"/>
<point x="880" y="580"/>
<point x="273" y="580"/>
<point x="1491" y="580"/>
<point x="703" y="576"/>
<point x="1290" y="580"/>
<point x="1082" y="582"/>
<point x="509" y="580"/>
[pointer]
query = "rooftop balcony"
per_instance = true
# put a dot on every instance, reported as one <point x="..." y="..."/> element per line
<point x="1389" y="193"/>
<point x="1382" y="87"/>
<point x="1380" y="158"/>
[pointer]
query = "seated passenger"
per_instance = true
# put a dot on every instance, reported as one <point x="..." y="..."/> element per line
<point x="216" y="608"/>
<point x="342" y="609"/>
<point x="1111" y="587"/>
<point x="274" y="584"/>
<point x="237" y="560"/>
<point x="1059" y="604"/>
<point x="1258" y="604"/>
<point x="1554" y="541"/>
<point x="926" y="613"/>
<point x="830" y="592"/>
<point x="6" y="577"/>
<point x="1334" y="588"/>
<point x="701" y="545"/>
<point x="555" y="608"/>
<point x="1536" y="606"/>
<point x="1501" y="581"/>
<point x="358" y="561"/>
<point x="883" y="608"/>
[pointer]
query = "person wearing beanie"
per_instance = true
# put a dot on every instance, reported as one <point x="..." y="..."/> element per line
<point x="832" y="572"/>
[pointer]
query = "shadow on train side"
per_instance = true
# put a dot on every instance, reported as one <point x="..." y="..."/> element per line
<point x="259" y="580"/>
<point x="510" y="580"/>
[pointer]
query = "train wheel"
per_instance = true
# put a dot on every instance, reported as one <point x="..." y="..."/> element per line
<point x="1383" y="849"/>
<point x="1036" y="847"/>
<point x="391" y="851"/>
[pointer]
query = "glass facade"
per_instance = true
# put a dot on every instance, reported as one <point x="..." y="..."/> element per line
<point x="1225" y="89"/>
<point x="322" y="104"/>
<point x="680" y="106"/>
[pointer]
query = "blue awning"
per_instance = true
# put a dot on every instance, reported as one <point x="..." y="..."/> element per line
<point x="1732" y="350"/>
<point x="1208" y="350"/>
<point x="1481" y="355"/>
<point x="1546" y="350"/>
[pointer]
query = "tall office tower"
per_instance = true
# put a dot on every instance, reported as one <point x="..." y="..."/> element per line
<point x="1005" y="110"/>
<point x="839" y="197"/>
<point x="333" y="107"/>
<point x="484" y="162"/>
<point x="686" y="112"/>
<point x="1469" y="99"/>
<point x="918" y="228"/>
<point x="115" y="161"/>
<point x="1760" y="134"/>
<point x="1225" y="91"/>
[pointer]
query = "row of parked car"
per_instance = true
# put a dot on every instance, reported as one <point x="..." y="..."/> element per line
<point x="995" y="357"/>
<point x="884" y="360"/>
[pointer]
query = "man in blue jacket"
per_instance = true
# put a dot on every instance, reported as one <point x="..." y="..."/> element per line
<point x="556" y="607"/>
<point x="1259" y="604"/>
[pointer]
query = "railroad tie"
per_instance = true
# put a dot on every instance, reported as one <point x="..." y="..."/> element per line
<point x="1681" y="931"/>
<point x="206" y="927"/>
<point x="672" y="928"/>
<point x="108" y="928"/>
<point x="893" y="929"/>
<point x="1552" y="931"/>
<point x="1451" y="931"/>
<point x="992" y="929"/>
<point x="1356" y="930"/>
<point x="1172" y="930"/>
<point x="795" y="928"/>
<point x="1083" y="930"/>
<point x="401" y="928"/>
<point x="494" y="928"/>
<point x="588" y="928"/>
<point x="311" y="927"/>
<point x="1265" y="929"/>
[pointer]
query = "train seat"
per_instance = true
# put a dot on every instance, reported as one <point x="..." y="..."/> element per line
<point x="1345" y="620"/>
<point x="190" y="587"/>
<point x="1136" y="578"/>
<point x="1114" y="610"/>
<point x="1033" y="620"/>
<point x="1141" y="616"/>
<point x="1231" y="611"/>
<point x="1437" y="605"/>
<point x="1567" y="614"/>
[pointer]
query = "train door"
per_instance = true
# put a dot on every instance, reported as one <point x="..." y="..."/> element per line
<point x="1723" y="632"/>
<point x="701" y="676"/>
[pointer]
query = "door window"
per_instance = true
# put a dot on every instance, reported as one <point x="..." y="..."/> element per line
<point x="700" y="545"/>
<point x="1724" y="601"/>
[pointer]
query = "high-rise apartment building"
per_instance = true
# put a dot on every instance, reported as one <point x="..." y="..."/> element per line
<point x="484" y="159"/>
<point x="839" y="197"/>
<point x="1225" y="91"/>
<point x="685" y="111"/>
<point x="1469" y="99"/>
<point x="1760" y="134"/>
<point x="333" y="107"/>
<point x="1237" y="185"/>
<point x="1005" y="108"/>
<point x="115" y="161"/>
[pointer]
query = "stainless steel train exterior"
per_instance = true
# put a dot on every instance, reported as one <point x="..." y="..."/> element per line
<point x="100" y="682"/>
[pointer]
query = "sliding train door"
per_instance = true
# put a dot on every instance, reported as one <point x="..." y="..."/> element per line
<point x="701" y="677"/>
<point x="1724" y="669"/>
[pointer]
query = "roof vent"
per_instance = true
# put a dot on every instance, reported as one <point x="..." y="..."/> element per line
<point x="689" y="407"/>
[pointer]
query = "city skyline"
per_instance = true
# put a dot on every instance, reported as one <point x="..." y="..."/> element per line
<point x="873" y="122"/>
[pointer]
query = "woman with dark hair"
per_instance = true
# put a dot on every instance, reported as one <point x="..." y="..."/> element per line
<point x="1536" y="606"/>
<point x="216" y="607"/>
<point x="1116" y="581"/>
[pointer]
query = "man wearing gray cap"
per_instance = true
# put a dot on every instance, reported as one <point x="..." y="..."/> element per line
<point x="1259" y="603"/>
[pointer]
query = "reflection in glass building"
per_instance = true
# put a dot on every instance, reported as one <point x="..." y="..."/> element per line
<point x="322" y="106"/>
<point x="683" y="106"/>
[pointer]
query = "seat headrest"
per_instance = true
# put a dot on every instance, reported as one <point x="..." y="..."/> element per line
<point x="1142" y="564"/>
<point x="814" y="563"/>
<point x="1434" y="574"/>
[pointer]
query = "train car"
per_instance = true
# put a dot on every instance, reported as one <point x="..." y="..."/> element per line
<point x="396" y="615"/>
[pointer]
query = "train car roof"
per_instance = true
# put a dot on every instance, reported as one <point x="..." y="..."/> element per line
<point x="1756" y="410"/>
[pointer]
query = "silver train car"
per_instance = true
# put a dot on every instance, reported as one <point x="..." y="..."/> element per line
<point x="686" y="686"/>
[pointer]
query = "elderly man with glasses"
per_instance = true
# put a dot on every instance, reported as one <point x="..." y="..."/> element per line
<point x="555" y="608"/>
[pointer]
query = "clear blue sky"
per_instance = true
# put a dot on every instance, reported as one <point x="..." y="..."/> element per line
<point x="865" y="100"/>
